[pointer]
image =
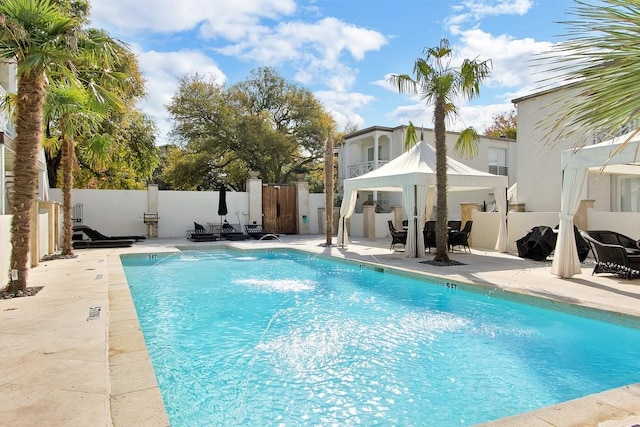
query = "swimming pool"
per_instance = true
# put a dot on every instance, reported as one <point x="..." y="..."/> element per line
<point x="266" y="338"/>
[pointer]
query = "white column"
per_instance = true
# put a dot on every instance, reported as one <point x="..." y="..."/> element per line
<point x="375" y="160"/>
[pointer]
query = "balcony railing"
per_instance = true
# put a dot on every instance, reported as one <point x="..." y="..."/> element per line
<point x="362" y="168"/>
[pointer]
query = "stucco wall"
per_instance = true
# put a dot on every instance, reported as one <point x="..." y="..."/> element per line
<point x="112" y="212"/>
<point x="627" y="223"/>
<point x="120" y="212"/>
<point x="539" y="169"/>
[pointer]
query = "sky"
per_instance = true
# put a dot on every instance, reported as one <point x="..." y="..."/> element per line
<point x="341" y="50"/>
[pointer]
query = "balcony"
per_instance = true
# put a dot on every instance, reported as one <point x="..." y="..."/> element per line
<point x="362" y="168"/>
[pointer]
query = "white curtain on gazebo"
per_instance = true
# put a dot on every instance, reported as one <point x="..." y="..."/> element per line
<point x="409" y="203"/>
<point x="346" y="210"/>
<point x="501" y="202"/>
<point x="565" y="260"/>
<point x="414" y="200"/>
<point x="618" y="155"/>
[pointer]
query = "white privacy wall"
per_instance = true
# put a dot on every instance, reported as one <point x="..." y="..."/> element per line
<point x="179" y="209"/>
<point x="120" y="212"/>
<point x="111" y="212"/>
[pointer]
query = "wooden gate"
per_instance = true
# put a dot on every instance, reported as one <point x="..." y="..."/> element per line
<point x="279" y="209"/>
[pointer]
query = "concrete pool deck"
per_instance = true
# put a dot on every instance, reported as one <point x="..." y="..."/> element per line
<point x="74" y="355"/>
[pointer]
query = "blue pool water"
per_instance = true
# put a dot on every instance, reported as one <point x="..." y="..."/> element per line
<point x="284" y="338"/>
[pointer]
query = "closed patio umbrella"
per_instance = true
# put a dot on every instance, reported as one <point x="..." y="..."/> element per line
<point x="222" y="205"/>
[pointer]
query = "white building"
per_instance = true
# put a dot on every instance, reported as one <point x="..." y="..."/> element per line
<point x="539" y="169"/>
<point x="8" y="84"/>
<point x="370" y="148"/>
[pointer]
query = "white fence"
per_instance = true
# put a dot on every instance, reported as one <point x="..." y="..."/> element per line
<point x="120" y="212"/>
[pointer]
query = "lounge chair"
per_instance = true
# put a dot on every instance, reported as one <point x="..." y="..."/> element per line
<point x="110" y="243"/>
<point x="255" y="231"/>
<point x="79" y="231"/>
<point x="461" y="238"/>
<point x="396" y="235"/>
<point x="200" y="234"/>
<point x="228" y="232"/>
<point x="612" y="258"/>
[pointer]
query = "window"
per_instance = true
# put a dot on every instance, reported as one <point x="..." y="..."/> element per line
<point x="630" y="194"/>
<point x="370" y="153"/>
<point x="498" y="161"/>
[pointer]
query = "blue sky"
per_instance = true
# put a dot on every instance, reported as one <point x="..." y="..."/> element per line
<point x="341" y="50"/>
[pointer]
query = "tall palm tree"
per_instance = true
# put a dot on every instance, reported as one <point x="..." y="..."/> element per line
<point x="80" y="104"/>
<point x="38" y="37"/>
<point x="328" y="189"/>
<point x="47" y="46"/>
<point x="441" y="84"/>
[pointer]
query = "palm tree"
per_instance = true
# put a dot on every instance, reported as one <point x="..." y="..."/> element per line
<point x="328" y="189"/>
<point x="441" y="84"/>
<point x="600" y="60"/>
<point x="74" y="111"/>
<point x="46" y="44"/>
<point x="38" y="37"/>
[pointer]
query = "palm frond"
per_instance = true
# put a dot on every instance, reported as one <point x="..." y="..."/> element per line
<point x="467" y="143"/>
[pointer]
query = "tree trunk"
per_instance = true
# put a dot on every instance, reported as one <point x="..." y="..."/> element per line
<point x="328" y="189"/>
<point x="31" y="90"/>
<point x="439" y="116"/>
<point x="67" y="186"/>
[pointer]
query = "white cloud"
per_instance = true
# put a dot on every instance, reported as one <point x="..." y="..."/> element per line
<point x="162" y="72"/>
<point x="471" y="11"/>
<point x="316" y="49"/>
<point x="343" y="106"/>
<point x="511" y="58"/>
<point x="228" y="19"/>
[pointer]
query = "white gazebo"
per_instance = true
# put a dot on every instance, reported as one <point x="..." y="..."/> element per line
<point x="618" y="155"/>
<point x="414" y="173"/>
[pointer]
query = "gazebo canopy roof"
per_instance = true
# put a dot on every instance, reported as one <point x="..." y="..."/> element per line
<point x="417" y="166"/>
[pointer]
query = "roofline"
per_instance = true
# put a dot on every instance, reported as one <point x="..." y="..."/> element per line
<point x="418" y="128"/>
<point x="368" y="130"/>
<point x="542" y="92"/>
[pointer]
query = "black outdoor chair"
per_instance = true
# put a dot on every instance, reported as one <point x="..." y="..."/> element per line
<point x="613" y="238"/>
<point x="454" y="225"/>
<point x="612" y="259"/>
<point x="397" y="236"/>
<point x="461" y="238"/>
<point x="429" y="235"/>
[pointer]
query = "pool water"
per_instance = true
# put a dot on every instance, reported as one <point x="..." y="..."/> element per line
<point x="285" y="338"/>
